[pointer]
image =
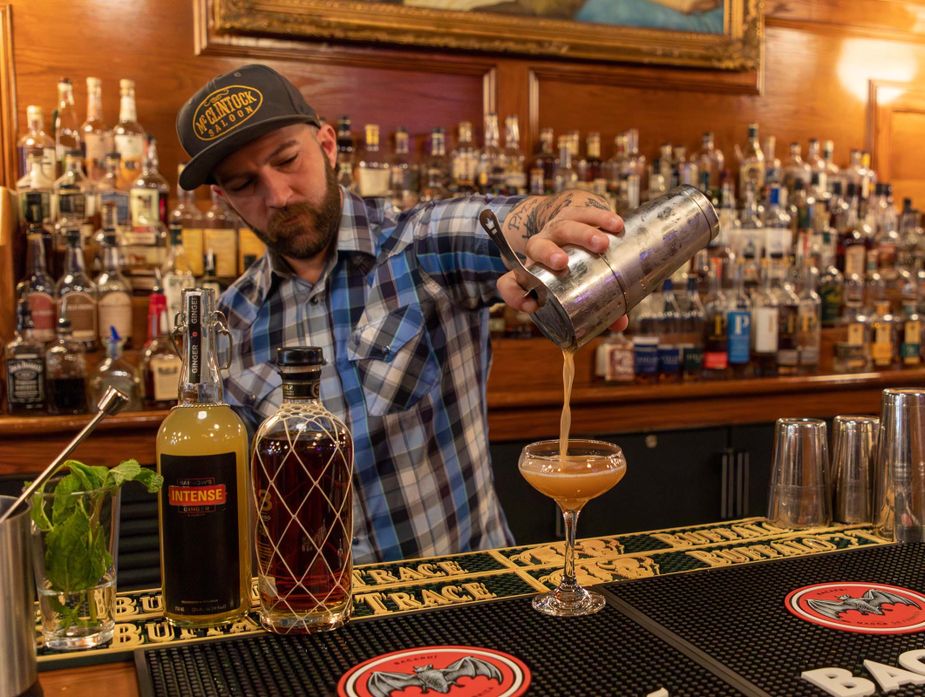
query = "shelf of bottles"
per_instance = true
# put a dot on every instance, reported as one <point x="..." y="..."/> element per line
<point x="103" y="247"/>
<point x="803" y="244"/>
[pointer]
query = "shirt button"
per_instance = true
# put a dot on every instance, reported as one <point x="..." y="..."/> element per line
<point x="315" y="299"/>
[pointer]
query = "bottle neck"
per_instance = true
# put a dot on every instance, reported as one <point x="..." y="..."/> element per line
<point x="23" y="325"/>
<point x="74" y="263"/>
<point x="738" y="281"/>
<point x="127" y="110"/>
<point x="565" y="156"/>
<point x="37" y="178"/>
<point x="36" y="255"/>
<point x="200" y="382"/>
<point x="36" y="123"/>
<point x="95" y="103"/>
<point x="157" y="309"/>
<point x="150" y="162"/>
<point x="302" y="389"/>
<point x="111" y="261"/>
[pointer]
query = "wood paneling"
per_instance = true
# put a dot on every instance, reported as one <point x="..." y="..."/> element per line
<point x="165" y="46"/>
<point x="897" y="129"/>
<point x="890" y="19"/>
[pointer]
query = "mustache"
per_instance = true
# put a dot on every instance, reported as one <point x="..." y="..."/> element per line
<point x="285" y="217"/>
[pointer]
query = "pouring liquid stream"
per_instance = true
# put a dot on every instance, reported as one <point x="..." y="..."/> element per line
<point x="565" y="421"/>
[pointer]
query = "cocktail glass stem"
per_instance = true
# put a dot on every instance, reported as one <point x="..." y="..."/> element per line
<point x="570" y="520"/>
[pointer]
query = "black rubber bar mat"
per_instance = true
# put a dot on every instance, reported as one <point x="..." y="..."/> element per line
<point x="844" y="608"/>
<point x="604" y="654"/>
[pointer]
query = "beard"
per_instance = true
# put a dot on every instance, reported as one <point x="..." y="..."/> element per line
<point x="302" y="230"/>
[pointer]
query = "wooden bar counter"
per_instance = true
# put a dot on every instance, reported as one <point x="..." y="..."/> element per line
<point x="524" y="402"/>
<point x="399" y="589"/>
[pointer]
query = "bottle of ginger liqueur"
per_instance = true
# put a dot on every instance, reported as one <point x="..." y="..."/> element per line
<point x="203" y="507"/>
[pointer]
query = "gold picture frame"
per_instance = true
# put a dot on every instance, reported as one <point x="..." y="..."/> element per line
<point x="737" y="47"/>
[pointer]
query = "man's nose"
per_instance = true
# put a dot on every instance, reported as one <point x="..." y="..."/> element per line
<point x="278" y="191"/>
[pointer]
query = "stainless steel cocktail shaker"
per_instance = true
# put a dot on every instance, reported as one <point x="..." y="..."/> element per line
<point x="578" y="303"/>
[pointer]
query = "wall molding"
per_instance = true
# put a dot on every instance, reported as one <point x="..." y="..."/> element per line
<point x="883" y="104"/>
<point x="8" y="114"/>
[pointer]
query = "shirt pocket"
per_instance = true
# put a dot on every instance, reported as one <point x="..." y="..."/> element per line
<point x="396" y="363"/>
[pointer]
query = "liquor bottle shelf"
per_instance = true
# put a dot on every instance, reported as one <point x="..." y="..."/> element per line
<point x="524" y="402"/>
<point x="525" y="395"/>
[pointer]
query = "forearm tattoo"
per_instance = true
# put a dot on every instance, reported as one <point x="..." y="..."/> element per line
<point x="532" y="214"/>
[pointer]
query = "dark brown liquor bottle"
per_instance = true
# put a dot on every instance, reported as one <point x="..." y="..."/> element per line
<point x="25" y="366"/>
<point x="302" y="466"/>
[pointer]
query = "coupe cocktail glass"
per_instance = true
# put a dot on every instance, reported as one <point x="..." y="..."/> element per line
<point x="588" y="469"/>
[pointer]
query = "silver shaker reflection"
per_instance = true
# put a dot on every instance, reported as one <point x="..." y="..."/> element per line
<point x="579" y="303"/>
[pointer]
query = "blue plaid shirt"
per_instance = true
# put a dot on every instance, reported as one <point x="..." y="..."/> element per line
<point x="401" y="314"/>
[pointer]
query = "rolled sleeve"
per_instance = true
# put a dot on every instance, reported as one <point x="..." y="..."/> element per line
<point x="454" y="250"/>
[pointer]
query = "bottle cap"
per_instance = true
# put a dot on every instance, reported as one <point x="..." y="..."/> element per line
<point x="299" y="356"/>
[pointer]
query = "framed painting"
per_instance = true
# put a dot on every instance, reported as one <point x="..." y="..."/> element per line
<point x="719" y="34"/>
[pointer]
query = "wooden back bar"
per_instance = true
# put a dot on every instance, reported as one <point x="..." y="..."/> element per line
<point x="524" y="402"/>
<point x="831" y="69"/>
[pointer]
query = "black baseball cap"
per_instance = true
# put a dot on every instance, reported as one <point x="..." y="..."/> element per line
<point x="230" y="111"/>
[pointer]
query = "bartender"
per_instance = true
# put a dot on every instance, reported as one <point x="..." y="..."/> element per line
<point x="397" y="303"/>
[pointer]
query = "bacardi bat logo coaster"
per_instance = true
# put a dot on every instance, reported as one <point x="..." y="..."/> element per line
<point x="461" y="671"/>
<point x="866" y="608"/>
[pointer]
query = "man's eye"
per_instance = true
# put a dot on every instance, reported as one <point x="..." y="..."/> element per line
<point x="288" y="161"/>
<point x="241" y="185"/>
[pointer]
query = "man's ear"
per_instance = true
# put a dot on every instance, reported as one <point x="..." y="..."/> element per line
<point x="218" y="191"/>
<point x="327" y="139"/>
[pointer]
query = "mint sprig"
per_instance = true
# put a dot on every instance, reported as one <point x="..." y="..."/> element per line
<point x="76" y="543"/>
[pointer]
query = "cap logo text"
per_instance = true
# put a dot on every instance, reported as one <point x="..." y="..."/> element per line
<point x="224" y="110"/>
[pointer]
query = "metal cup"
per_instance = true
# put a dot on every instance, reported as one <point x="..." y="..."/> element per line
<point x="854" y="445"/>
<point x="18" y="675"/>
<point x="579" y="303"/>
<point x="899" y="484"/>
<point x="799" y="496"/>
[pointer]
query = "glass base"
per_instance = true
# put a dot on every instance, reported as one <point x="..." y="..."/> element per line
<point x="79" y="638"/>
<point x="560" y="603"/>
<point x="206" y="621"/>
<point x="307" y="623"/>
<point x="78" y="620"/>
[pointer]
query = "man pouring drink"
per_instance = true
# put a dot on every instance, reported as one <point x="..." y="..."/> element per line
<point x="398" y="304"/>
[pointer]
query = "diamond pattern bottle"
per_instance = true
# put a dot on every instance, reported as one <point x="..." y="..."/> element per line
<point x="203" y="508"/>
<point x="303" y="468"/>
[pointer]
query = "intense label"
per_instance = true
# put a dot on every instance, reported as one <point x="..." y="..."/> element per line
<point x="199" y="504"/>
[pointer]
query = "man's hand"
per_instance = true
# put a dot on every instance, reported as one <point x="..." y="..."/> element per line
<point x="540" y="225"/>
